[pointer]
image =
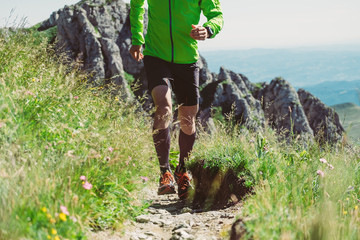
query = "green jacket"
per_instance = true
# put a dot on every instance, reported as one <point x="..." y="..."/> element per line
<point x="169" y="27"/>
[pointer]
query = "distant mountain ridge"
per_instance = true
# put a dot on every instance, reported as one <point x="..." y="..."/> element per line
<point x="333" y="93"/>
<point x="336" y="70"/>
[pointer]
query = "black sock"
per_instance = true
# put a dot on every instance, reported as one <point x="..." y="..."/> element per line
<point x="186" y="143"/>
<point x="161" y="139"/>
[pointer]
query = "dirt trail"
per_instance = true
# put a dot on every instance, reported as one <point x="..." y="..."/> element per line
<point x="169" y="218"/>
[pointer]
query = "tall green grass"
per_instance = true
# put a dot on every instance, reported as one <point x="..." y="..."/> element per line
<point x="55" y="128"/>
<point x="298" y="192"/>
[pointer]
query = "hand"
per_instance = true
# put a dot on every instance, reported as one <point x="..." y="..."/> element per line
<point x="135" y="52"/>
<point x="198" y="32"/>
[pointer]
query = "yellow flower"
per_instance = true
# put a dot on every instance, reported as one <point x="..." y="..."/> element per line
<point x="43" y="209"/>
<point x="356" y="207"/>
<point x="116" y="99"/>
<point x="344" y="212"/>
<point x="33" y="79"/>
<point x="52" y="220"/>
<point x="48" y="216"/>
<point x="347" y="199"/>
<point x="62" y="217"/>
<point x="53" y="231"/>
<point x="48" y="237"/>
<point x="57" y="238"/>
<point x="82" y="182"/>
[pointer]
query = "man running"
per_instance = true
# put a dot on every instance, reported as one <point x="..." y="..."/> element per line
<point x="170" y="60"/>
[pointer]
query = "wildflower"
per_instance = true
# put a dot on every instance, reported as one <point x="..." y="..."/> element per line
<point x="73" y="219"/>
<point x="53" y="231"/>
<point x="48" y="237"/>
<point x="110" y="149"/>
<point x="52" y="220"/>
<point x="56" y="238"/>
<point x="62" y="217"/>
<point x="64" y="210"/>
<point x="347" y="199"/>
<point x="344" y="212"/>
<point x="83" y="182"/>
<point x="134" y="165"/>
<point x="48" y="216"/>
<point x="46" y="147"/>
<point x="323" y="160"/>
<point x="331" y="166"/>
<point x="83" y="178"/>
<point x="116" y="99"/>
<point x="145" y="179"/>
<point x="320" y="173"/>
<point x="43" y="209"/>
<point x="356" y="207"/>
<point x="76" y="97"/>
<point x="87" y="185"/>
<point x="33" y="79"/>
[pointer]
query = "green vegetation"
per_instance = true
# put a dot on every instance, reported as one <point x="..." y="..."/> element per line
<point x="349" y="115"/>
<point x="298" y="193"/>
<point x="73" y="158"/>
<point x="55" y="129"/>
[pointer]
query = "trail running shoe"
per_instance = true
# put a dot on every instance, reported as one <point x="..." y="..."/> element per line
<point x="166" y="184"/>
<point x="183" y="182"/>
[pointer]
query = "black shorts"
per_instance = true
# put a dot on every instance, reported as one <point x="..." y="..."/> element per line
<point x="182" y="78"/>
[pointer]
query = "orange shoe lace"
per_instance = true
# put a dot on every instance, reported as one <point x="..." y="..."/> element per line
<point x="167" y="179"/>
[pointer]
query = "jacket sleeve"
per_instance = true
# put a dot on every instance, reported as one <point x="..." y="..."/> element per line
<point x="213" y="13"/>
<point x="137" y="12"/>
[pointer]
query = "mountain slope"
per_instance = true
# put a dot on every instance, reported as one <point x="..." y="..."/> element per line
<point x="349" y="114"/>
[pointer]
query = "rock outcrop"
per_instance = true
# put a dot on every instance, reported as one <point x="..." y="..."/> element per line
<point x="283" y="109"/>
<point x="323" y="120"/>
<point x="96" y="34"/>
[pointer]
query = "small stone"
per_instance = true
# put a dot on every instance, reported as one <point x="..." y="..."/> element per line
<point x="142" y="237"/>
<point x="181" y="225"/>
<point x="150" y="233"/>
<point x="186" y="210"/>
<point x="142" y="219"/>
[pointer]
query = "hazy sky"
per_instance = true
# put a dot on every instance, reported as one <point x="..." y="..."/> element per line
<point x="248" y="23"/>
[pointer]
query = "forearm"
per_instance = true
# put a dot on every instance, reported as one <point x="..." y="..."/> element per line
<point x="137" y="12"/>
<point x="213" y="12"/>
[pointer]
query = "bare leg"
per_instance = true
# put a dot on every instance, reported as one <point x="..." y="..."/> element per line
<point x="161" y="136"/>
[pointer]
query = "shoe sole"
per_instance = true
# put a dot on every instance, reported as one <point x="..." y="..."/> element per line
<point x="167" y="189"/>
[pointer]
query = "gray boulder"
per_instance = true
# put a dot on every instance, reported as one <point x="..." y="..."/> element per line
<point x="323" y="120"/>
<point x="283" y="109"/>
<point x="230" y="92"/>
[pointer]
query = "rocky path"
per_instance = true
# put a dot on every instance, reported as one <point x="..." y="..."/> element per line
<point x="169" y="218"/>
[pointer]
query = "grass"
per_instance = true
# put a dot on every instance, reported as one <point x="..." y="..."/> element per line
<point x="298" y="192"/>
<point x="55" y="128"/>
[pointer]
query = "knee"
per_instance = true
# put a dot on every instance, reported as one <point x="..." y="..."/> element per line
<point x="164" y="109"/>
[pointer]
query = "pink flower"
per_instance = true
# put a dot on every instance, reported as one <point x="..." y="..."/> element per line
<point x="73" y="219"/>
<point x="134" y="165"/>
<point x="46" y="147"/>
<point x="83" y="178"/>
<point x="110" y="149"/>
<point x="323" y="160"/>
<point x="87" y="185"/>
<point x="64" y="210"/>
<point x="330" y="166"/>
<point x="76" y="97"/>
<point x="145" y="179"/>
<point x="320" y="173"/>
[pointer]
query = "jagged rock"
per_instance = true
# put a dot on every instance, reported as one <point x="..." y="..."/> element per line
<point x="324" y="121"/>
<point x="283" y="109"/>
<point x="97" y="34"/>
<point x="230" y="92"/>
